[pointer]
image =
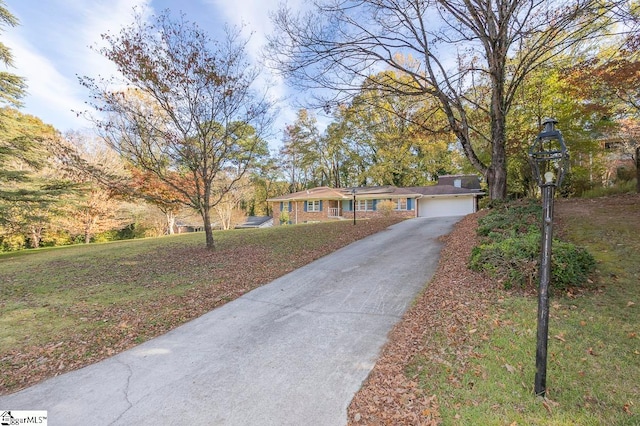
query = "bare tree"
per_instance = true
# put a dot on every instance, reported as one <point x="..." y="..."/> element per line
<point x="92" y="207"/>
<point x="445" y="47"/>
<point x="638" y="169"/>
<point x="227" y="211"/>
<point x="184" y="108"/>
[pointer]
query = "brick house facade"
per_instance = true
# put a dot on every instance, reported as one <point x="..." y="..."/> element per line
<point x="324" y="204"/>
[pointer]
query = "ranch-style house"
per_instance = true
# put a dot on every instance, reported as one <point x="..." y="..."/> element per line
<point x="454" y="195"/>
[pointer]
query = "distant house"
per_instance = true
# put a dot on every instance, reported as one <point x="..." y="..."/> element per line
<point x="182" y="227"/>
<point x="620" y="161"/>
<point x="256" y="222"/>
<point x="454" y="195"/>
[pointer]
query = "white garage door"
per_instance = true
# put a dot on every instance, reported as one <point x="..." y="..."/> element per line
<point x="445" y="206"/>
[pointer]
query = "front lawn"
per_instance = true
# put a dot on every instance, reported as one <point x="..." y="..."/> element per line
<point x="64" y="308"/>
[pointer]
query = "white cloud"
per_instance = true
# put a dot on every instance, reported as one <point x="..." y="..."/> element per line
<point x="51" y="48"/>
<point x="51" y="95"/>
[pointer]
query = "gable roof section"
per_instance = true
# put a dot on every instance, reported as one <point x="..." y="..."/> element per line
<point x="470" y="185"/>
<point x="255" y="222"/>
<point x="319" y="193"/>
<point x="464" y="181"/>
<point x="369" y="192"/>
<point x="442" y="190"/>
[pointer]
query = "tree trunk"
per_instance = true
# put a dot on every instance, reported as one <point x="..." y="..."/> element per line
<point x="208" y="231"/>
<point x="35" y="237"/>
<point x="496" y="180"/>
<point x="171" y="222"/>
<point x="497" y="172"/>
<point x="88" y="225"/>
<point x="638" y="168"/>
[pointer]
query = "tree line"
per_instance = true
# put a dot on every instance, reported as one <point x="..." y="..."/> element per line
<point x="180" y="132"/>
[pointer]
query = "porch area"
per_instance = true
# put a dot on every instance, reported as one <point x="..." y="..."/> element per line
<point x="334" y="210"/>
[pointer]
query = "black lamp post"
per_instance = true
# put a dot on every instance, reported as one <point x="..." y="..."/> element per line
<point x="353" y="192"/>
<point x="549" y="161"/>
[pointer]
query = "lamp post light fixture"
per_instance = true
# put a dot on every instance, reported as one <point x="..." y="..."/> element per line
<point x="353" y="192"/>
<point x="549" y="161"/>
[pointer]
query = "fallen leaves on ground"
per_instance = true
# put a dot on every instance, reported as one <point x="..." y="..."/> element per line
<point x="232" y="272"/>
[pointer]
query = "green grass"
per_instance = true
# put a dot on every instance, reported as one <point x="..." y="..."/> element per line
<point x="591" y="373"/>
<point x="44" y="291"/>
<point x="620" y="188"/>
<point x="593" y="369"/>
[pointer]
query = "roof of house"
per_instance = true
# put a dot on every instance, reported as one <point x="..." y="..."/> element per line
<point x="464" y="181"/>
<point x="255" y="221"/>
<point x="319" y="193"/>
<point x="447" y="185"/>
<point x="326" y="193"/>
<point x="444" y="190"/>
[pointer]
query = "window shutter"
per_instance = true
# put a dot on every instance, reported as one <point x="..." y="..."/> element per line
<point x="290" y="209"/>
<point x="409" y="203"/>
<point x="375" y="203"/>
<point x="350" y="208"/>
<point x="305" y="205"/>
<point x="320" y="205"/>
<point x="281" y="205"/>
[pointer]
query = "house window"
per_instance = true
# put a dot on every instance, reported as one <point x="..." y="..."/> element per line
<point x="364" y="205"/>
<point x="401" y="204"/>
<point x="313" y="206"/>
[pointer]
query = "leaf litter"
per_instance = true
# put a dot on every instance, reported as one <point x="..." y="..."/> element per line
<point x="229" y="272"/>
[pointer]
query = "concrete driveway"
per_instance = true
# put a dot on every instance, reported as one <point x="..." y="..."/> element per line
<point x="292" y="352"/>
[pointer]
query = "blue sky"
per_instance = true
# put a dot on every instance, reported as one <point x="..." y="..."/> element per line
<point x="51" y="46"/>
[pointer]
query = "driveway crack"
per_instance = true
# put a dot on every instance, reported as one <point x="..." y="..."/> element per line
<point x="125" y="390"/>
<point x="311" y="311"/>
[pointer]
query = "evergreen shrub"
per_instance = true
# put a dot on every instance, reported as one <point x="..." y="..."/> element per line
<point x="510" y="249"/>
